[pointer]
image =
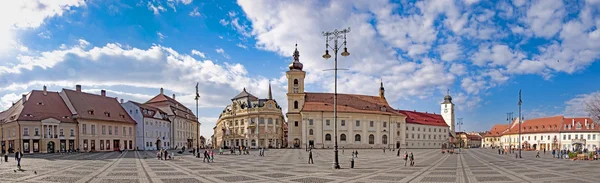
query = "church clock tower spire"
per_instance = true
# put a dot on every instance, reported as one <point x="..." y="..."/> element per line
<point x="381" y="90"/>
<point x="447" y="108"/>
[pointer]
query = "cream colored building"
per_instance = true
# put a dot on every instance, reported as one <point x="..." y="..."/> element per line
<point x="493" y="137"/>
<point x="251" y="122"/>
<point x="184" y="124"/>
<point x="39" y="122"/>
<point x="363" y="121"/>
<point x="102" y="123"/>
<point x="556" y="132"/>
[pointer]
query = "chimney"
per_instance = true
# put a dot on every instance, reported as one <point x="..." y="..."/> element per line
<point x="121" y="101"/>
<point x="45" y="90"/>
<point x="161" y="91"/>
<point x="573" y="122"/>
<point x="24" y="99"/>
<point x="78" y="88"/>
<point x="173" y="96"/>
<point x="103" y="93"/>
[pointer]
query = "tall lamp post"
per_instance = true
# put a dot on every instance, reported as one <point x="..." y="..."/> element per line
<point x="509" y="118"/>
<point x="197" y="122"/>
<point x="334" y="36"/>
<point x="520" y="118"/>
<point x="460" y="123"/>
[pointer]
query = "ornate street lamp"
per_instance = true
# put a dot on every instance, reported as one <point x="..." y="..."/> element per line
<point x="520" y="120"/>
<point x="334" y="36"/>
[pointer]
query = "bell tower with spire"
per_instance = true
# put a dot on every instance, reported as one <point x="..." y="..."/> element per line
<point x="295" y="97"/>
<point x="381" y="90"/>
<point x="270" y="96"/>
<point x="447" y="112"/>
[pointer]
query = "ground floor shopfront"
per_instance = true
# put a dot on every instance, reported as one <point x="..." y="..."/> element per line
<point x="253" y="143"/>
<point x="91" y="145"/>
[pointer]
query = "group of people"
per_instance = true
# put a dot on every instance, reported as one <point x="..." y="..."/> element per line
<point x="209" y="156"/>
<point x="163" y="154"/>
<point x="408" y="157"/>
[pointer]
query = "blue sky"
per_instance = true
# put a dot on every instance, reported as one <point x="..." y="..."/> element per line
<point x="484" y="52"/>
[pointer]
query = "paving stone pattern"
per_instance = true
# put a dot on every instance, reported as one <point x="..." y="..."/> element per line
<point x="290" y="165"/>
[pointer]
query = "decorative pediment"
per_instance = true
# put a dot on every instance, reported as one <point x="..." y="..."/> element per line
<point x="50" y="121"/>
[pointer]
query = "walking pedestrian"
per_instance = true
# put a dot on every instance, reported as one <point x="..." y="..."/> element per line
<point x="405" y="156"/>
<point x="544" y="150"/>
<point x="205" y="156"/>
<point x="537" y="155"/>
<point x="412" y="159"/>
<point x="398" y="154"/>
<point x="212" y="155"/>
<point x="356" y="154"/>
<point x="310" y="157"/>
<point x="383" y="150"/>
<point x="553" y="153"/>
<point x="18" y="156"/>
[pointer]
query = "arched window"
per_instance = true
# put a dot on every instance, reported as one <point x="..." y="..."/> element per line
<point x="384" y="139"/>
<point x="310" y="132"/>
<point x="270" y="121"/>
<point x="295" y="104"/>
<point x="357" y="138"/>
<point x="328" y="137"/>
<point x="295" y="82"/>
<point x="371" y="139"/>
<point x="343" y="137"/>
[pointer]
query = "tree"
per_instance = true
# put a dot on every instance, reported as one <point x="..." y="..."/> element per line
<point x="592" y="106"/>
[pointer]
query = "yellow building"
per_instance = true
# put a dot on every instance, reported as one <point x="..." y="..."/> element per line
<point x="39" y="122"/>
<point x="102" y="122"/>
<point x="250" y="121"/>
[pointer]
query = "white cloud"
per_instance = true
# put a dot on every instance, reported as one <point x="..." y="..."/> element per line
<point x="161" y="37"/>
<point x="195" y="13"/>
<point x="223" y="22"/>
<point x="450" y="52"/>
<point x="196" y="52"/>
<point x="7" y="100"/>
<point x="156" y="9"/>
<point x="545" y="17"/>
<point x="575" y="107"/>
<point x="29" y="15"/>
<point x="222" y="52"/>
<point x="241" y="46"/>
<point x="83" y="43"/>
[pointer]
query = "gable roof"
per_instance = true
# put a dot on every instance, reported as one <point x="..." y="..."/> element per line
<point x="38" y="107"/>
<point x="423" y="118"/>
<point x="348" y="103"/>
<point x="497" y="130"/>
<point x="97" y="107"/>
<point x="170" y="106"/>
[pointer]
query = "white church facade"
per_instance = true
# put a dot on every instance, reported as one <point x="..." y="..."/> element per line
<point x="362" y="121"/>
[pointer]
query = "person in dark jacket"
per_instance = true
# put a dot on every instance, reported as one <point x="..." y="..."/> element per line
<point x="18" y="156"/>
<point x="310" y="157"/>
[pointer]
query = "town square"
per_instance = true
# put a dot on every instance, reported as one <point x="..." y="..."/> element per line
<point x="299" y="91"/>
<point x="290" y="165"/>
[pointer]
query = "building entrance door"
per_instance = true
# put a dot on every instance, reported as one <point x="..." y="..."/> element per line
<point x="158" y="145"/>
<point x="50" y="147"/>
<point x="63" y="146"/>
<point x="116" y="145"/>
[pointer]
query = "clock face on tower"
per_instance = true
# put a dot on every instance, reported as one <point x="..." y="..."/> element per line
<point x="445" y="110"/>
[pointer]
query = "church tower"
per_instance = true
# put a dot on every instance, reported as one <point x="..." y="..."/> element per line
<point x="381" y="90"/>
<point x="448" y="112"/>
<point x="295" y="97"/>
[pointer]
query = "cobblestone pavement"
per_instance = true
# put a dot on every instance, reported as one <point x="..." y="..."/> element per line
<point x="285" y="165"/>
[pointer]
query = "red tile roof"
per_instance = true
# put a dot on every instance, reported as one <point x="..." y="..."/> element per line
<point x="38" y="107"/>
<point x="153" y="110"/>
<point x="97" y="107"/>
<point x="423" y="118"/>
<point x="497" y="130"/>
<point x="347" y="103"/>
<point x="171" y="106"/>
<point x="553" y="124"/>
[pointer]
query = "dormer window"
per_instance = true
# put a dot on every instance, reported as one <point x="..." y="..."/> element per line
<point x="383" y="109"/>
<point x="40" y="103"/>
<point x="66" y="117"/>
<point x="91" y="112"/>
<point x="107" y="114"/>
<point x="29" y="115"/>
<point x="122" y="116"/>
